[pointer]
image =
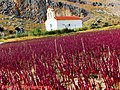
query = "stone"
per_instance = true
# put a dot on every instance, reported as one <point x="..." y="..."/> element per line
<point x="12" y="17"/>
<point x="9" y="23"/>
<point x="21" y="23"/>
<point x="2" y="18"/>
<point x="14" y="25"/>
<point x="35" y="9"/>
<point x="24" y="8"/>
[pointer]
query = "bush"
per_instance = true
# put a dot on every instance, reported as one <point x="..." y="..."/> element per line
<point x="98" y="26"/>
<point x="22" y="34"/>
<point x="98" y="21"/>
<point x="106" y="24"/>
<point x="82" y="29"/>
<point x="60" y="4"/>
<point x="94" y="25"/>
<point x="50" y="32"/>
<point x="100" y="4"/>
<point x="97" y="4"/>
<point x="36" y="32"/>
<point x="1" y="29"/>
<point x="10" y="36"/>
<point x="66" y="30"/>
<point x="94" y="3"/>
<point x="11" y="32"/>
<point x="58" y="32"/>
<point x="85" y="28"/>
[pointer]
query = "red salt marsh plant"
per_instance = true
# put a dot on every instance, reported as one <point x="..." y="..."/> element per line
<point x="85" y="61"/>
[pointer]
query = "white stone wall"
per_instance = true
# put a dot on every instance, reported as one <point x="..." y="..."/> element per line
<point x="51" y="24"/>
<point x="71" y="24"/>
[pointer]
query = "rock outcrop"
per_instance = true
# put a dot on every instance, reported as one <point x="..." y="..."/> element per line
<point x="36" y="9"/>
<point x="74" y="10"/>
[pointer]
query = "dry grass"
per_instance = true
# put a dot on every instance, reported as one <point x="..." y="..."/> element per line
<point x="27" y="24"/>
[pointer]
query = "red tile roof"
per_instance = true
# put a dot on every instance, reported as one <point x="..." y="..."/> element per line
<point x="67" y="18"/>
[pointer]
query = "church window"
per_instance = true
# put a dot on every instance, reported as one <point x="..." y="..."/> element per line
<point x="51" y="26"/>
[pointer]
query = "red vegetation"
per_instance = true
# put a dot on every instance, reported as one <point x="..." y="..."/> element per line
<point x="73" y="62"/>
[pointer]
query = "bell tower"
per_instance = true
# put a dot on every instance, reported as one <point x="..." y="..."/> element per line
<point x="50" y="13"/>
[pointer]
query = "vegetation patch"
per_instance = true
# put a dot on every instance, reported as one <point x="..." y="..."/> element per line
<point x="74" y="62"/>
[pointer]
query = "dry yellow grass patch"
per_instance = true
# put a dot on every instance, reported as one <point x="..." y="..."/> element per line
<point x="27" y="24"/>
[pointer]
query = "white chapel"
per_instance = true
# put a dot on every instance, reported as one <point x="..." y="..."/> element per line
<point x="60" y="22"/>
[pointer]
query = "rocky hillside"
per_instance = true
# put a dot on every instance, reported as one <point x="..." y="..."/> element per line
<point x="113" y="6"/>
<point x="35" y="9"/>
<point x="104" y="10"/>
<point x="89" y="10"/>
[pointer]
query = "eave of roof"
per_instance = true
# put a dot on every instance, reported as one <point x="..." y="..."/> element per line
<point x="67" y="18"/>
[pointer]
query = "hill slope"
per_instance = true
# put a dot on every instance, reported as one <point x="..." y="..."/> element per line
<point x="89" y="10"/>
<point x="107" y="10"/>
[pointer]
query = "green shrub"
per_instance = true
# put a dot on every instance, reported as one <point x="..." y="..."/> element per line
<point x="36" y="32"/>
<point x="66" y="30"/>
<point x="80" y="29"/>
<point x="98" y="26"/>
<point x="100" y="4"/>
<point x="50" y="32"/>
<point x="94" y="25"/>
<point x="58" y="32"/>
<point x="98" y="21"/>
<point x="84" y="28"/>
<point x="53" y="32"/>
<point x="11" y="32"/>
<point x="10" y="36"/>
<point x="23" y="34"/>
<point x="43" y="32"/>
<point x="1" y="29"/>
<point x="94" y="3"/>
<point x="60" y="4"/>
<point x="106" y="24"/>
